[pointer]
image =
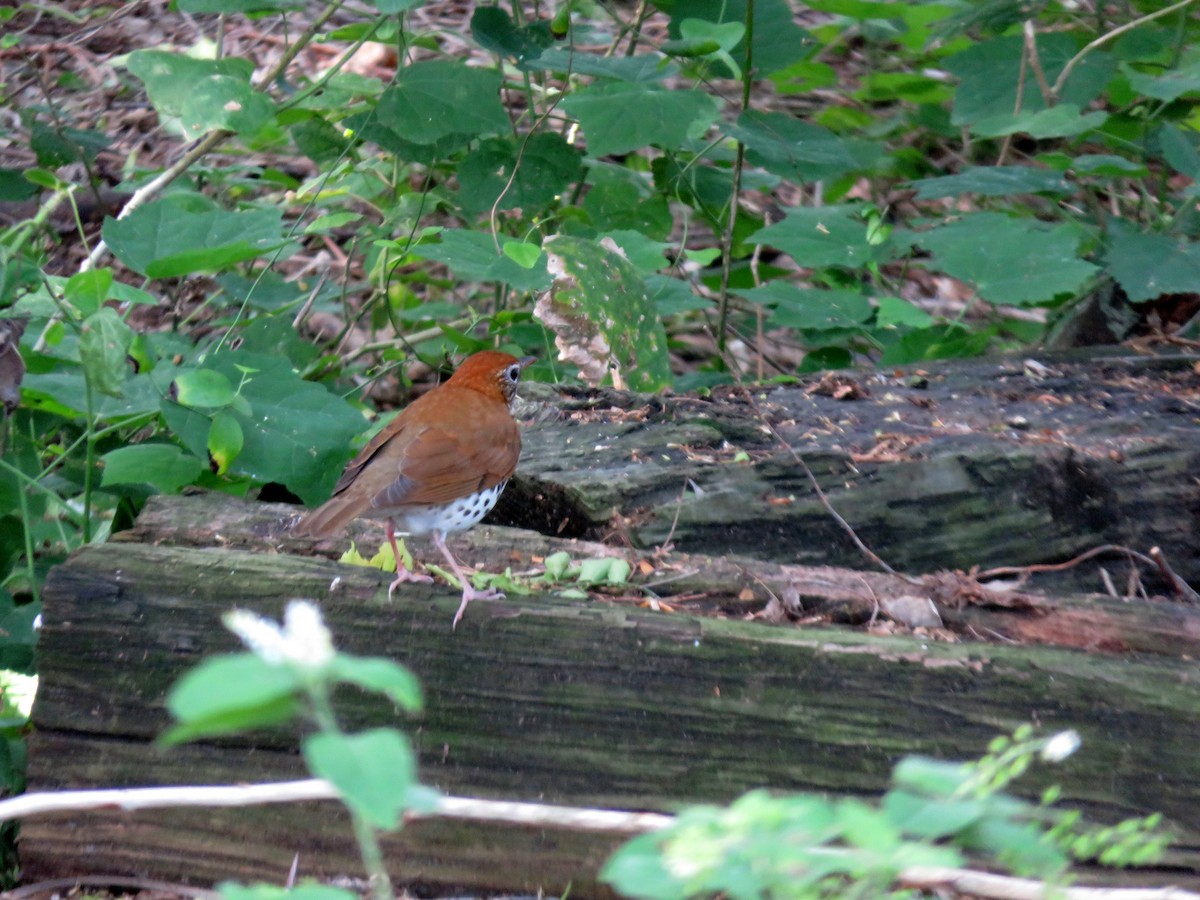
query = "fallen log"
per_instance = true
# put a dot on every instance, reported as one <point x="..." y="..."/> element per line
<point x="605" y="702"/>
<point x="593" y="703"/>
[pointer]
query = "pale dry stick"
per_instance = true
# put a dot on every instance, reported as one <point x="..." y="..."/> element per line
<point x="965" y="881"/>
<point x="1111" y="35"/>
<point x="237" y="795"/>
<point x="1109" y="587"/>
<point x="1008" y="138"/>
<point x="1182" y="588"/>
<point x="1155" y="559"/>
<point x="307" y="306"/>
<point x="1035" y="62"/>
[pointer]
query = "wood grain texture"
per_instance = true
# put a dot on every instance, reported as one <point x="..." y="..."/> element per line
<point x="545" y="699"/>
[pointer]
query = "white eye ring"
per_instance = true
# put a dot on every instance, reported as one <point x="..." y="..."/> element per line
<point x="514" y="372"/>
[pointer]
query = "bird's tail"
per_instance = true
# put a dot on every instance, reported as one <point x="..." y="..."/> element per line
<point x="330" y="517"/>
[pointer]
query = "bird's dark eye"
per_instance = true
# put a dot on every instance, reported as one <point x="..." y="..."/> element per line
<point x="514" y="372"/>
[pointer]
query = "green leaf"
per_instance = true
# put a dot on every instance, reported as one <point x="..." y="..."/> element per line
<point x="202" y="389"/>
<point x="992" y="181"/>
<point x="374" y="771"/>
<point x="793" y="148"/>
<point x="494" y="30"/>
<point x="225" y="441"/>
<point x="171" y="237"/>
<point x="14" y="187"/>
<point x="599" y="304"/>
<point x="295" y="432"/>
<point x="1169" y="86"/>
<point x="382" y="676"/>
<point x="548" y="165"/>
<point x="87" y="291"/>
<point x="825" y="236"/>
<point x="1179" y="150"/>
<point x="1025" y="261"/>
<point x="1107" y="164"/>
<point x="931" y="777"/>
<point x="991" y="75"/>
<point x="238" y="6"/>
<point x="854" y="9"/>
<point x="230" y="693"/>
<point x="523" y="254"/>
<point x="646" y="67"/>
<point x="935" y="342"/>
<point x="895" y="311"/>
<point x="665" y="118"/>
<point x="103" y="345"/>
<point x="647" y="255"/>
<point x="672" y="296"/>
<point x="472" y="256"/>
<point x="431" y="100"/>
<point x="230" y="891"/>
<point x="931" y="818"/>
<point x="1146" y="266"/>
<point x="204" y="94"/>
<point x="1064" y="120"/>
<point x="778" y="40"/>
<point x="811" y="308"/>
<point x="165" y="466"/>
<point x="394" y="7"/>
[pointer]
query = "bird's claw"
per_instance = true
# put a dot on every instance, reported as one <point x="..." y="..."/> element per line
<point x="469" y="594"/>
<point x="404" y="576"/>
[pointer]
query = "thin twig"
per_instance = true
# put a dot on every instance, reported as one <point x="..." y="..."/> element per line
<point x="1059" y="82"/>
<point x="842" y="523"/>
<point x="1155" y="559"/>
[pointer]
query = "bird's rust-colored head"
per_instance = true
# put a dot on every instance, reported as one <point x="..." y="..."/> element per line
<point x="492" y="373"/>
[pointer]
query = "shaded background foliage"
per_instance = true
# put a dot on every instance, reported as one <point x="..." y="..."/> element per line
<point x="699" y="191"/>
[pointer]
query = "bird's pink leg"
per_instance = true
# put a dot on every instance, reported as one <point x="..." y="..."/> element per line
<point x="469" y="591"/>
<point x="403" y="573"/>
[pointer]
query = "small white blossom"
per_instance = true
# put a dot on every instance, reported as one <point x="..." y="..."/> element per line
<point x="302" y="641"/>
<point x="1061" y="745"/>
<point x="307" y="640"/>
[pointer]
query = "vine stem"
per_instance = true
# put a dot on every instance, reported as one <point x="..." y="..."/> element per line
<point x="369" y="847"/>
<point x="738" y="163"/>
<point x="1061" y="81"/>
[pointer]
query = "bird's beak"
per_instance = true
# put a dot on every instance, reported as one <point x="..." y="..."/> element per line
<point x="525" y="361"/>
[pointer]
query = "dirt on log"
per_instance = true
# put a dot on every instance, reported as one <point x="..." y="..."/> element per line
<point x="607" y="702"/>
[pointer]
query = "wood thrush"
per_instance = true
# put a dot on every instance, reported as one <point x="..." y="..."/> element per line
<point x="438" y="467"/>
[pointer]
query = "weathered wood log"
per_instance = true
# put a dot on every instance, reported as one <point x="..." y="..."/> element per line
<point x="603" y="702"/>
<point x="954" y="465"/>
<point x="730" y="585"/>
<point x="541" y="698"/>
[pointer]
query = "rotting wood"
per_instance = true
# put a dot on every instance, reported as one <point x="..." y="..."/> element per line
<point x="543" y="699"/>
<point x="602" y="703"/>
<point x="947" y="465"/>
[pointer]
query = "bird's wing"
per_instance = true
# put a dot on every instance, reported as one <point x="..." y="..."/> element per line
<point x="424" y="458"/>
<point x="441" y="463"/>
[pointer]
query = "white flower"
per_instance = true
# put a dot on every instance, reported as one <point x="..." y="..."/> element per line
<point x="303" y="640"/>
<point x="1060" y="746"/>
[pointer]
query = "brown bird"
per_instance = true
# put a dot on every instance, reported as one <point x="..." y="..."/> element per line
<point x="438" y="467"/>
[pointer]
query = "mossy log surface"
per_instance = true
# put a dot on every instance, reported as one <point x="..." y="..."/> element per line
<point x="970" y="463"/>
<point x="606" y="703"/>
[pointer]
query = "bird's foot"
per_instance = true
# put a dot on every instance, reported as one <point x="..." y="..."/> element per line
<point x="403" y="576"/>
<point x="469" y="594"/>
